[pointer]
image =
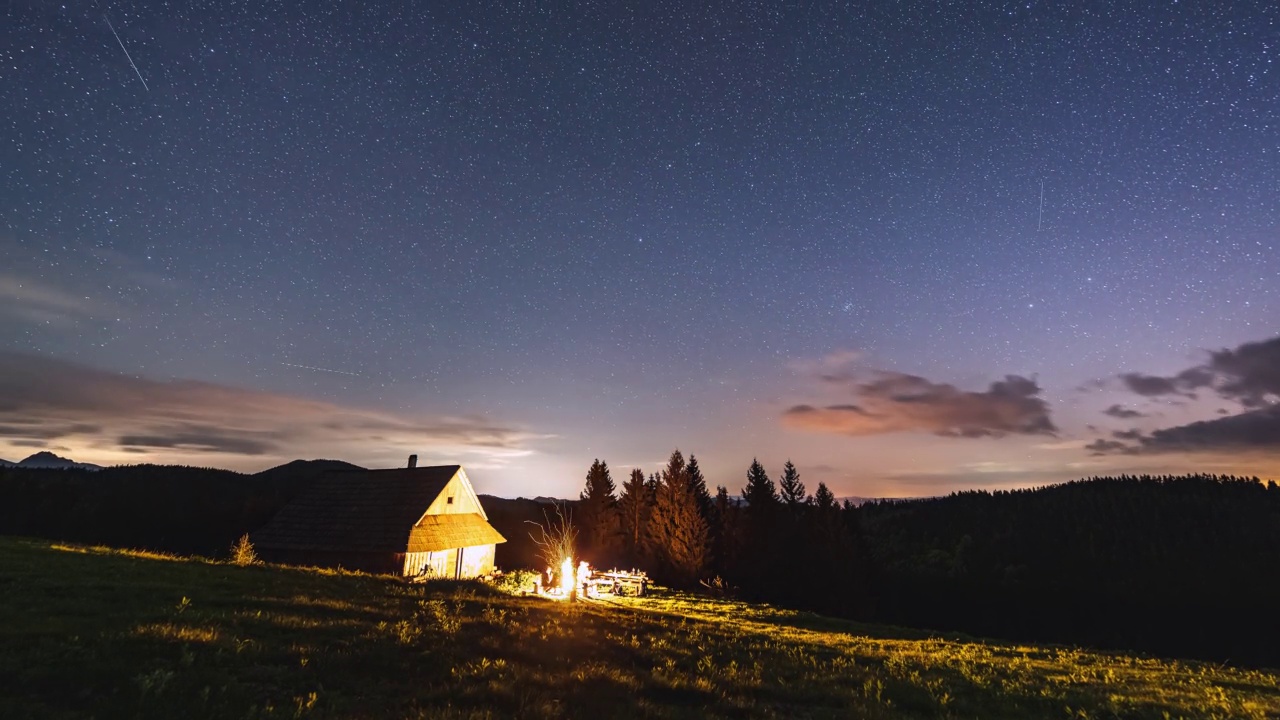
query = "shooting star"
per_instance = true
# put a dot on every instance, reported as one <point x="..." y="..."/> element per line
<point x="126" y="51"/>
<point x="1040" y="222"/>
<point x="320" y="369"/>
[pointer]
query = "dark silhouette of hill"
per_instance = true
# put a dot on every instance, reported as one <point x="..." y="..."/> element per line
<point x="309" y="469"/>
<point x="515" y="519"/>
<point x="46" y="459"/>
<point x="157" y="507"/>
<point x="1171" y="565"/>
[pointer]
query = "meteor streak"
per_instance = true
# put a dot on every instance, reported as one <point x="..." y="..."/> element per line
<point x="1040" y="221"/>
<point x="126" y="51"/>
<point x="320" y="369"/>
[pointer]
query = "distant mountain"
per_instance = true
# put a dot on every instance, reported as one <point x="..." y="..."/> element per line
<point x="306" y="469"/>
<point x="6" y="463"/>
<point x="47" y="460"/>
<point x="859" y="501"/>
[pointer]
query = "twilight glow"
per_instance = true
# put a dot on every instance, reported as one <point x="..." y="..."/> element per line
<point x="914" y="248"/>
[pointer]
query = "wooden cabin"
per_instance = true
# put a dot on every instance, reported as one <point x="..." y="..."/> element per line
<point x="406" y="521"/>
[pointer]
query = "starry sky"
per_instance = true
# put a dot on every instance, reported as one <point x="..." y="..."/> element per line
<point x="915" y="247"/>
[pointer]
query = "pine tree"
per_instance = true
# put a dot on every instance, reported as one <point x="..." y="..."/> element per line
<point x="598" y="516"/>
<point x="760" y="493"/>
<point x="699" y="484"/>
<point x="824" y="499"/>
<point x="677" y="530"/>
<point x="723" y="531"/>
<point x="835" y="558"/>
<point x="828" y="526"/>
<point x="757" y="556"/>
<point x="792" y="490"/>
<point x="634" y="506"/>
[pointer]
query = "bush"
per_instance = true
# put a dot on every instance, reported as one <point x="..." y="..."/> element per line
<point x="242" y="552"/>
<point x="515" y="582"/>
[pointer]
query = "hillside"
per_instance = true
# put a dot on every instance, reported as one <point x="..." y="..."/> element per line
<point x="1109" y="562"/>
<point x="114" y="634"/>
<point x="157" y="507"/>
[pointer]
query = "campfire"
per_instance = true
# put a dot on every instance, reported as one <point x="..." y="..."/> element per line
<point x="582" y="581"/>
<point x="566" y="580"/>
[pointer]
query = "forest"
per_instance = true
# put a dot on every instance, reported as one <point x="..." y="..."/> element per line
<point x="1178" y="566"/>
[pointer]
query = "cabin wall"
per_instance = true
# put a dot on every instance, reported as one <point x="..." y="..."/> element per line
<point x="463" y="497"/>
<point x="477" y="561"/>
<point x="415" y="563"/>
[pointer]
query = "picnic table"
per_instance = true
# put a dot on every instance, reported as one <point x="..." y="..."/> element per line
<point x="620" y="582"/>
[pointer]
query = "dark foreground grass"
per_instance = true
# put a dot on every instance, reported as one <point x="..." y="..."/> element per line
<point x="108" y="634"/>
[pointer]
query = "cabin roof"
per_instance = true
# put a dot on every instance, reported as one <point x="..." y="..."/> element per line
<point x="366" y="511"/>
<point x="442" y="532"/>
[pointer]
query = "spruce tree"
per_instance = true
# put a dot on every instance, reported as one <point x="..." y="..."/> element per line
<point x="598" y="516"/>
<point x="760" y="493"/>
<point x="699" y="485"/>
<point x="824" y="499"/>
<point x="723" y="531"/>
<point x="634" y="506"/>
<point x="677" y="530"/>
<point x="758" y="556"/>
<point x="844" y="590"/>
<point x="792" y="490"/>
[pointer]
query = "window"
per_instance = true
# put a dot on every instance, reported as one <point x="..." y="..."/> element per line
<point x="449" y="501"/>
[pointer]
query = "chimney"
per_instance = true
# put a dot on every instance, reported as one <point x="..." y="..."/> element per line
<point x="413" y="461"/>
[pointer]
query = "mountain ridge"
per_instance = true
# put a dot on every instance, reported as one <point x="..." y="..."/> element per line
<point x="47" y="460"/>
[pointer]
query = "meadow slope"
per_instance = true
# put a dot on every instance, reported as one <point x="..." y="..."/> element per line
<point x="91" y="632"/>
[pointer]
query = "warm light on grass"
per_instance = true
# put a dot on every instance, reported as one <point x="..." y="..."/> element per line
<point x="180" y="633"/>
<point x="137" y="638"/>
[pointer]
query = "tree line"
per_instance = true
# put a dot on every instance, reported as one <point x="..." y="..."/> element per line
<point x="1177" y="565"/>
<point x="771" y="541"/>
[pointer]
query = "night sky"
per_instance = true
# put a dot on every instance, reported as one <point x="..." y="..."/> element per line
<point x="914" y="247"/>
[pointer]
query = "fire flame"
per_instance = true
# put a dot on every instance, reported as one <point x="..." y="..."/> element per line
<point x="567" y="581"/>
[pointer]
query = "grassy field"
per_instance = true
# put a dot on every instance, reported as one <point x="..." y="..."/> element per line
<point x="110" y="634"/>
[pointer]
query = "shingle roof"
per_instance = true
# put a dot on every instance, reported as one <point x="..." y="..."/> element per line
<point x="365" y="510"/>
<point x="442" y="532"/>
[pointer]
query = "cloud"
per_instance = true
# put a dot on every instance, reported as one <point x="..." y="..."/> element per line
<point x="976" y="476"/>
<point x="1248" y="374"/>
<point x="1251" y="431"/>
<point x="34" y="301"/>
<point x="1104" y="447"/>
<point x="43" y="399"/>
<point x="204" y="440"/>
<point x="1119" y="411"/>
<point x="1149" y="385"/>
<point x="892" y="402"/>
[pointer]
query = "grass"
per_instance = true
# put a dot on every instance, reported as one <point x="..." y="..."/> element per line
<point x="92" y="632"/>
